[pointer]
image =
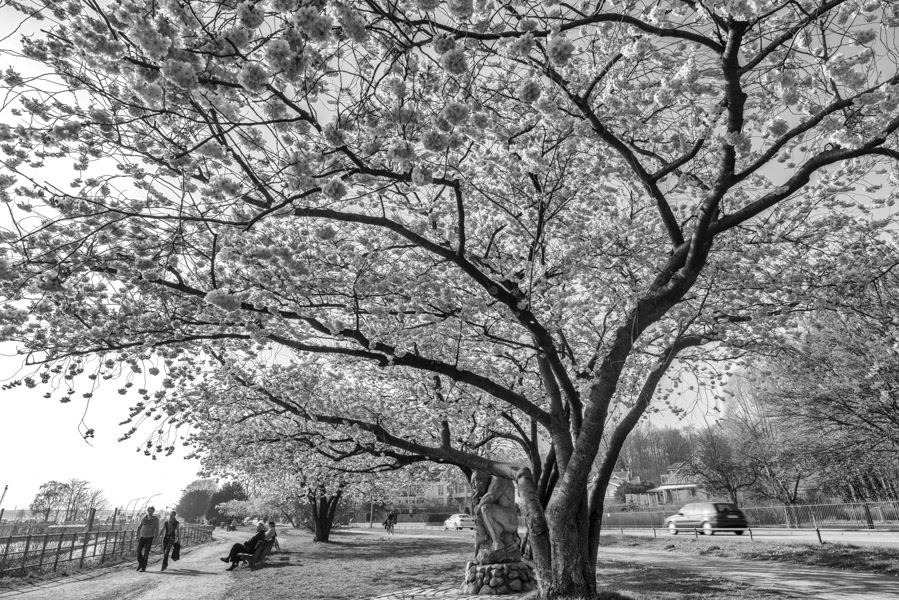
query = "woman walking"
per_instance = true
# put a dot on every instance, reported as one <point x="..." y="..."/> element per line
<point x="171" y="530"/>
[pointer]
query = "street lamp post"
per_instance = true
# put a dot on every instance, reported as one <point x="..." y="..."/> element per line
<point x="136" y="500"/>
<point x="144" y="507"/>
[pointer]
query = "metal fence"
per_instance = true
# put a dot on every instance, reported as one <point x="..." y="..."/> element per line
<point x="860" y="515"/>
<point x="21" y="553"/>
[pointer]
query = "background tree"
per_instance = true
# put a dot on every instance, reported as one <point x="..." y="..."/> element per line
<point x="835" y="390"/>
<point x="650" y="450"/>
<point x="67" y="501"/>
<point x="536" y="207"/>
<point x="721" y="464"/>
<point x="770" y="446"/>
<point x="230" y="490"/>
<point x="194" y="502"/>
<point x="50" y="497"/>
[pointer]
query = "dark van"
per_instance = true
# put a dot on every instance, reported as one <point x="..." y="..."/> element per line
<point x="707" y="516"/>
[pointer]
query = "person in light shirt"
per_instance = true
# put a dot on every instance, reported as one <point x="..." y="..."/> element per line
<point x="146" y="532"/>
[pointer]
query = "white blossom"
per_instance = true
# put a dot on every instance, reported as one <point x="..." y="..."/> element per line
<point x="454" y="62"/>
<point x="334" y="188"/>
<point x="253" y="77"/>
<point x="223" y="300"/>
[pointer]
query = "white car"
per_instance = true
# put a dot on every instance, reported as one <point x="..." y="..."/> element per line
<point x="459" y="521"/>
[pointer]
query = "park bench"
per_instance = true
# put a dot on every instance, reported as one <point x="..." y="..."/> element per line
<point x="258" y="557"/>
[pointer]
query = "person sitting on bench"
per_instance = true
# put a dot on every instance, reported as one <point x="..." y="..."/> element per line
<point x="272" y="534"/>
<point x="248" y="547"/>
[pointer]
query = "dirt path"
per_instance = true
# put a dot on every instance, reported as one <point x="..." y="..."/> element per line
<point x="199" y="575"/>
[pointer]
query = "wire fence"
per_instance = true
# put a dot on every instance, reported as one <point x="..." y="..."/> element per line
<point x="22" y="553"/>
<point x="859" y="515"/>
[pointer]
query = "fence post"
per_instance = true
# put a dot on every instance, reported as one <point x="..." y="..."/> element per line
<point x="695" y="533"/>
<point x="87" y="538"/>
<point x="105" y="546"/>
<point x="818" y="531"/>
<point x="58" y="550"/>
<point x="25" y="553"/>
<point x="114" y="541"/>
<point x="115" y="514"/>
<point x="90" y="519"/>
<point x="72" y="547"/>
<point x="40" y="562"/>
<point x="751" y="539"/>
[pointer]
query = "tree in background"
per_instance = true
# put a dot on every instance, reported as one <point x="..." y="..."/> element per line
<point x="73" y="498"/>
<point x="196" y="500"/>
<point x="770" y="447"/>
<point x="537" y="205"/>
<point x="230" y="490"/>
<point x="650" y="450"/>
<point x="721" y="464"/>
<point x="836" y="391"/>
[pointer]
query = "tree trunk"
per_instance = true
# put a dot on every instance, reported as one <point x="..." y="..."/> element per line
<point x="559" y="545"/>
<point x="571" y="574"/>
<point x="324" y="508"/>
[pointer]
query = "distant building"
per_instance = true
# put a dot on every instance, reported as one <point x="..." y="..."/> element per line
<point x="618" y="479"/>
<point x="452" y="494"/>
<point x="678" y="485"/>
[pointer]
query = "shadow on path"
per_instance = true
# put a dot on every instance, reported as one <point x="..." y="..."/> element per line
<point x="808" y="582"/>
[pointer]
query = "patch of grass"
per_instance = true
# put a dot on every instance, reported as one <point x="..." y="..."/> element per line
<point x="355" y="566"/>
<point x="37" y="575"/>
<point x="849" y="557"/>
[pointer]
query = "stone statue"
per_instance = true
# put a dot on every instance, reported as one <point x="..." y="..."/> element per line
<point x="496" y="519"/>
<point x="497" y="568"/>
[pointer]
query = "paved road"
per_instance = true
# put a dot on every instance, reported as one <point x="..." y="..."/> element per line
<point x="806" y="582"/>
<point x="197" y="576"/>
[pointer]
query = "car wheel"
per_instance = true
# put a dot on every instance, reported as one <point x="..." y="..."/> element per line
<point x="707" y="529"/>
<point x="672" y="528"/>
<point x="738" y="532"/>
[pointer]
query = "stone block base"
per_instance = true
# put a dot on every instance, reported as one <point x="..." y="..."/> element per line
<point x="498" y="579"/>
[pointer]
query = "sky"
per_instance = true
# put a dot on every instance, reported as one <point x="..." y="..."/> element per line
<point x="40" y="441"/>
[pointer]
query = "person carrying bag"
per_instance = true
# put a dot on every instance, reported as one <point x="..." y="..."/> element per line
<point x="171" y="540"/>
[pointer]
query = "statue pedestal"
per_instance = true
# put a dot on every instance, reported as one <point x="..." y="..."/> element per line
<point x="498" y="579"/>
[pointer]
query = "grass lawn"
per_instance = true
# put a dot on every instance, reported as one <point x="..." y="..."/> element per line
<point x="835" y="556"/>
<point x="356" y="566"/>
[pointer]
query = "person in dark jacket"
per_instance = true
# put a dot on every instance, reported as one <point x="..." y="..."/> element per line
<point x="171" y="535"/>
<point x="248" y="547"/>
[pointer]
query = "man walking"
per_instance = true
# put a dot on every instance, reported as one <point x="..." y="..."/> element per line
<point x="146" y="531"/>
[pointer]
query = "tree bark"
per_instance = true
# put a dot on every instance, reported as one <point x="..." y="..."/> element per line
<point x="324" y="507"/>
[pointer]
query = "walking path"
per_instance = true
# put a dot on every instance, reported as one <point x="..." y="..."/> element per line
<point x="197" y="576"/>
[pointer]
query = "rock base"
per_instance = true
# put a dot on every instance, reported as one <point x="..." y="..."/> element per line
<point x="498" y="579"/>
